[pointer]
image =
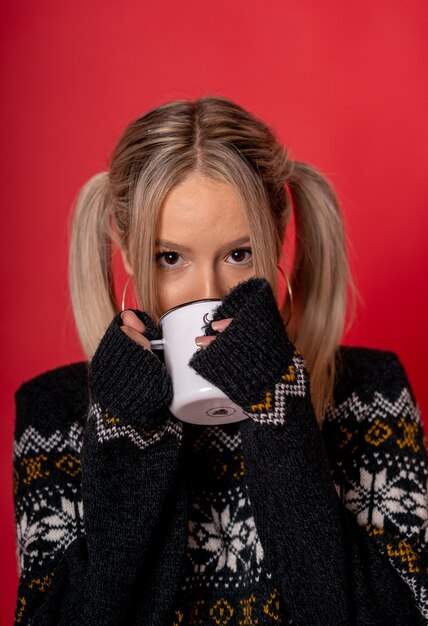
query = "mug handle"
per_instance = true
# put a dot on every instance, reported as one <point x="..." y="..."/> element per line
<point x="157" y="344"/>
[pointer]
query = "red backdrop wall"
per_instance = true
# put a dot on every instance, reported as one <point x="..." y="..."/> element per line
<point x="343" y="84"/>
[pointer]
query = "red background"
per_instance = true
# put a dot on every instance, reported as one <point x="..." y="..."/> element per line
<point x="343" y="84"/>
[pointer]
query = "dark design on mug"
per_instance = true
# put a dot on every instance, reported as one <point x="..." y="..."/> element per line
<point x="206" y="319"/>
<point x="221" y="411"/>
<point x="207" y="328"/>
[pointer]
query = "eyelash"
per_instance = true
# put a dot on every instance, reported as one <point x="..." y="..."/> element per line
<point x="162" y="254"/>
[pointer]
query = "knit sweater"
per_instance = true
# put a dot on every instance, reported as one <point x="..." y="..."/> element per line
<point x="126" y="515"/>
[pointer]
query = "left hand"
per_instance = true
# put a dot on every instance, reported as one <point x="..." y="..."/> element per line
<point x="204" y="340"/>
<point x="248" y="350"/>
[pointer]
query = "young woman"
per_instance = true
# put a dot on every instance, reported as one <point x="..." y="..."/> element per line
<point x="311" y="511"/>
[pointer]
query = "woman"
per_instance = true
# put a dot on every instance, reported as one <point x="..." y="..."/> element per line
<point x="311" y="511"/>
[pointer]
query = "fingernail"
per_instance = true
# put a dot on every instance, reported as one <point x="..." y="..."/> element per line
<point x="221" y="324"/>
<point x="203" y="341"/>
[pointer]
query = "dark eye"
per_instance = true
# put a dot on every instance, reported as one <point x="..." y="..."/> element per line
<point x="167" y="259"/>
<point x="241" y="256"/>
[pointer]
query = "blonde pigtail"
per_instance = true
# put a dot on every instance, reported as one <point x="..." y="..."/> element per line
<point x="90" y="262"/>
<point x="319" y="278"/>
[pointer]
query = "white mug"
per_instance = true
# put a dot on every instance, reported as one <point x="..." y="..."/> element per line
<point x="195" y="399"/>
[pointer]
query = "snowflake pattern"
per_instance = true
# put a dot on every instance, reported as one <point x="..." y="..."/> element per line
<point x="227" y="539"/>
<point x="46" y="524"/>
<point x="223" y="546"/>
<point x="27" y="537"/>
<point x="375" y="498"/>
<point x="58" y="525"/>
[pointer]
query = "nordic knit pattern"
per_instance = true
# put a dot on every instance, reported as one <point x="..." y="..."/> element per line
<point x="225" y="578"/>
<point x="123" y="517"/>
<point x="283" y="446"/>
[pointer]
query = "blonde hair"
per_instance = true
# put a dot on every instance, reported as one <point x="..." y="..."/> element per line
<point x="216" y="138"/>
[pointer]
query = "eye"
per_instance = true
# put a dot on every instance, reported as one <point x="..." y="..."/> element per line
<point x="241" y="256"/>
<point x="168" y="259"/>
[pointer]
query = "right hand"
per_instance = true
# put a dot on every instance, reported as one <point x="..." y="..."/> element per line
<point x="126" y="377"/>
<point x="134" y="327"/>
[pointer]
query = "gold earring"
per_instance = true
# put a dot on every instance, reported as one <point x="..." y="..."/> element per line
<point x="124" y="291"/>
<point x="290" y="295"/>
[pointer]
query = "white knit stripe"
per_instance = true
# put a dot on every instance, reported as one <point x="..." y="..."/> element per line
<point x="282" y="390"/>
<point x="32" y="441"/>
<point x="216" y="437"/>
<point x="378" y="407"/>
<point x="109" y="432"/>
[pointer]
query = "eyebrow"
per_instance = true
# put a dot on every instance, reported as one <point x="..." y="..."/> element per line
<point x="177" y="246"/>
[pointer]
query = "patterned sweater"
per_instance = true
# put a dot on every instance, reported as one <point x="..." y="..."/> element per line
<point x="376" y="448"/>
<point x="127" y="516"/>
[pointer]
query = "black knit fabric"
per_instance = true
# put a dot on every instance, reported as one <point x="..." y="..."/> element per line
<point x="131" y="381"/>
<point x="226" y="578"/>
<point x="125" y="515"/>
<point x="280" y="440"/>
<point x="253" y="351"/>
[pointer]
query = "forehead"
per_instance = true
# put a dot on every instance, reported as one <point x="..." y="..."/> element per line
<point x="200" y="202"/>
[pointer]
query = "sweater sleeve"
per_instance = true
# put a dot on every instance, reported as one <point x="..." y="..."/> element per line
<point x="361" y="559"/>
<point x="94" y="502"/>
<point x="333" y="566"/>
<point x="377" y="447"/>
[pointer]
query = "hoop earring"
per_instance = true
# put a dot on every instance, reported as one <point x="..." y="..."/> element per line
<point x="124" y="291"/>
<point x="290" y="294"/>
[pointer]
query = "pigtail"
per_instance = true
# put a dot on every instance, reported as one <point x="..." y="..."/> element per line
<point x="319" y="279"/>
<point x="90" y="262"/>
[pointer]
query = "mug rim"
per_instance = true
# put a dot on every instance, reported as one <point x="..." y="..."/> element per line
<point x="179" y="306"/>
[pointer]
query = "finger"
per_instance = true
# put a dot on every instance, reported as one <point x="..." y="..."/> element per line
<point x="204" y="340"/>
<point x="130" y="319"/>
<point x="136" y="336"/>
<point x="221" y="325"/>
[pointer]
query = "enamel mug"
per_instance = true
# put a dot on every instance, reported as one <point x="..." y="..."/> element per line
<point x="195" y="400"/>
